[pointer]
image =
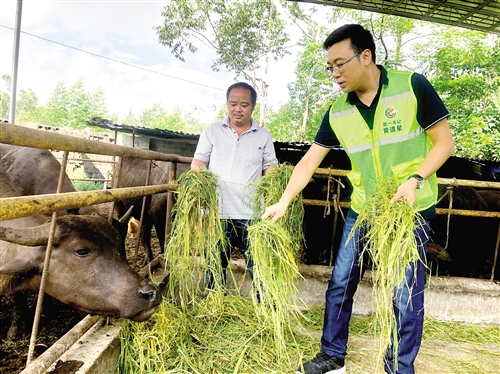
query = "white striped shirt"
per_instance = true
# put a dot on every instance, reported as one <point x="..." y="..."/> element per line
<point x="237" y="162"/>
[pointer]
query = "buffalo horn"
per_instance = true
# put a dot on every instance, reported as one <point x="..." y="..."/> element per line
<point x="29" y="236"/>
<point x="126" y="216"/>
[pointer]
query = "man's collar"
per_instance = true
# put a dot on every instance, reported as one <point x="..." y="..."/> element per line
<point x="352" y="97"/>
<point x="253" y="127"/>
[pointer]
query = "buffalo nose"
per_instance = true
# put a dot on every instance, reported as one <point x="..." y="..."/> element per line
<point x="149" y="292"/>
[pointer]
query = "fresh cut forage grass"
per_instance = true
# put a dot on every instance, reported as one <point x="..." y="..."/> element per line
<point x="387" y="229"/>
<point x="275" y="273"/>
<point x="216" y="335"/>
<point x="275" y="251"/>
<point x="197" y="234"/>
<point x="268" y="191"/>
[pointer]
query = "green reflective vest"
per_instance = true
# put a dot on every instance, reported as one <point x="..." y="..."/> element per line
<point x="396" y="146"/>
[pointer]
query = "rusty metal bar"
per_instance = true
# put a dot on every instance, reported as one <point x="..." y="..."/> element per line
<point x="469" y="183"/>
<point x="91" y="179"/>
<point x="45" y="270"/>
<point x="468" y="213"/>
<point x="335" y="219"/>
<point x="456" y="212"/>
<point x="442" y="181"/>
<point x="24" y="206"/>
<point x="143" y="209"/>
<point x="170" y="204"/>
<point x="312" y="202"/>
<point x="23" y="136"/>
<point x="83" y="160"/>
<point x="495" y="256"/>
<point x="117" y="167"/>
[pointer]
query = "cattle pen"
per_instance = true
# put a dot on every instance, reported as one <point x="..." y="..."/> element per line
<point x="24" y="206"/>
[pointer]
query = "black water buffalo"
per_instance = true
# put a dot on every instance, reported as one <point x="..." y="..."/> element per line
<point x="491" y="198"/>
<point x="133" y="174"/>
<point x="35" y="171"/>
<point x="86" y="270"/>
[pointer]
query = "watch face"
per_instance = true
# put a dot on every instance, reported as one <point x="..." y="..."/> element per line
<point x="420" y="180"/>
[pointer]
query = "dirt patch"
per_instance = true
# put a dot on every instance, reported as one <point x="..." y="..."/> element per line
<point x="56" y="320"/>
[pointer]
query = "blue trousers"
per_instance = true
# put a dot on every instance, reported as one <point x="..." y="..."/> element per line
<point x="339" y="300"/>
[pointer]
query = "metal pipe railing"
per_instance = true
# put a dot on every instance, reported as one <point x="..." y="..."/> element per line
<point x="23" y="136"/>
<point x="24" y="206"/>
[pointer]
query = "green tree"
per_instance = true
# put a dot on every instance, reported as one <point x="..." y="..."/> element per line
<point x="151" y="118"/>
<point x="312" y="85"/>
<point x="244" y="35"/>
<point x="4" y="105"/>
<point x="158" y="117"/>
<point x="130" y="119"/>
<point x="463" y="66"/>
<point x="194" y="125"/>
<point x="27" y="106"/>
<point x="73" y="107"/>
<point x="394" y="36"/>
<point x="7" y="80"/>
<point x="5" y="97"/>
<point x="55" y="112"/>
<point x="175" y="121"/>
<point x="284" y="124"/>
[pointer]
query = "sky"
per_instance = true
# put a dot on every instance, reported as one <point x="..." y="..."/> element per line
<point x="121" y="31"/>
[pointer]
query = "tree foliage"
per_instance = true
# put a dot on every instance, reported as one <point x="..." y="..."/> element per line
<point x="393" y="37"/>
<point x="464" y="68"/>
<point x="73" y="106"/>
<point x="312" y="86"/>
<point x="27" y="109"/>
<point x="244" y="35"/>
<point x="461" y="64"/>
<point x="5" y="97"/>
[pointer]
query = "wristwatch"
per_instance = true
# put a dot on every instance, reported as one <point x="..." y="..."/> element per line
<point x="420" y="180"/>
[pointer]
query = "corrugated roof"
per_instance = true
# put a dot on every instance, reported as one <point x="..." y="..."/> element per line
<point x="482" y="15"/>
<point x="156" y="133"/>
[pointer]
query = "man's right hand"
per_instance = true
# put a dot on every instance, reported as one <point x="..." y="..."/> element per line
<point x="275" y="211"/>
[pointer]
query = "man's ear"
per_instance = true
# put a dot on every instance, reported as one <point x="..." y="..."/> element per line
<point x="366" y="57"/>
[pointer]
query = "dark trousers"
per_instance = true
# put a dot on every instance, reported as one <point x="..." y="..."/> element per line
<point x="236" y="231"/>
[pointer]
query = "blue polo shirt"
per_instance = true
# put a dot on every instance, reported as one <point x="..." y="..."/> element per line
<point x="237" y="162"/>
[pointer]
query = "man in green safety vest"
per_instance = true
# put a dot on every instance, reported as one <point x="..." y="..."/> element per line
<point x="390" y="123"/>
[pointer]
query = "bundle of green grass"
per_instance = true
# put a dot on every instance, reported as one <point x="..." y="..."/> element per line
<point x="219" y="331"/>
<point x="387" y="230"/>
<point x="275" y="250"/>
<point x="197" y="235"/>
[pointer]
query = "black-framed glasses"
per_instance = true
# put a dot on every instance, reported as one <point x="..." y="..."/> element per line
<point x="339" y="67"/>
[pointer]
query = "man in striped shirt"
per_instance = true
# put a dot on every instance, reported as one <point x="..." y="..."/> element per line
<point x="238" y="152"/>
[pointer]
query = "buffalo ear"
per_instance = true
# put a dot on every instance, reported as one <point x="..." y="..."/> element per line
<point x="22" y="264"/>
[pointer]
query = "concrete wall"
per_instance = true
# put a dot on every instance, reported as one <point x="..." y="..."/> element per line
<point x="449" y="299"/>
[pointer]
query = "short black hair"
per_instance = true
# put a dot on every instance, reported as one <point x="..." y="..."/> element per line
<point x="361" y="38"/>
<point x="245" y="86"/>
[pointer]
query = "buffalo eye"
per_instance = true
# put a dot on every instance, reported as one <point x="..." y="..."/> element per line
<point x="83" y="252"/>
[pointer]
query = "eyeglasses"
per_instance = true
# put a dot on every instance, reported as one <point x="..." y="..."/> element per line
<point x="339" y="67"/>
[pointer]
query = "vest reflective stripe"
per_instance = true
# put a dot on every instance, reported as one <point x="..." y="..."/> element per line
<point x="378" y="143"/>
<point x="344" y="113"/>
<point x="401" y="138"/>
<point x="406" y="95"/>
<point x="395" y="147"/>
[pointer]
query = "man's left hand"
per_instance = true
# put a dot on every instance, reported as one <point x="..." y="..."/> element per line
<point x="406" y="191"/>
